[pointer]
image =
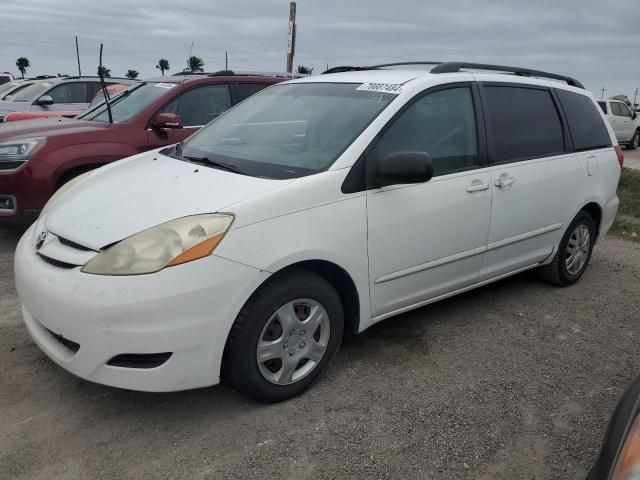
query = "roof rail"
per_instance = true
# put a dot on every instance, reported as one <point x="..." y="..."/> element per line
<point x="450" y="67"/>
<point x="375" y="67"/>
<point x="250" y="73"/>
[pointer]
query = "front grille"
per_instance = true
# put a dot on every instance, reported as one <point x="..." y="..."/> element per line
<point x="57" y="263"/>
<point x="68" y="344"/>
<point x="139" y="360"/>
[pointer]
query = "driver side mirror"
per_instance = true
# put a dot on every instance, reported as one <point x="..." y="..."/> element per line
<point x="44" y="100"/>
<point x="404" y="167"/>
<point x="166" y="120"/>
<point x="634" y="115"/>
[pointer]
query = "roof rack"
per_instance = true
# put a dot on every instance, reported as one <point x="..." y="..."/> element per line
<point x="450" y="67"/>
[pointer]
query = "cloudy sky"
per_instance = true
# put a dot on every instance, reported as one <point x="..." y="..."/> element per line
<point x="595" y="41"/>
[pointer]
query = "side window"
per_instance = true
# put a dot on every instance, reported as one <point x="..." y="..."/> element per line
<point x="615" y="109"/>
<point x="624" y="110"/>
<point x="200" y="105"/>
<point x="443" y="124"/>
<point x="522" y="123"/>
<point x="72" y="92"/>
<point x="586" y="125"/>
<point x="245" y="90"/>
<point x="603" y="106"/>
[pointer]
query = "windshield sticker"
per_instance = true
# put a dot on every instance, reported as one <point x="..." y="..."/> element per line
<point x="165" y="85"/>
<point x="392" y="88"/>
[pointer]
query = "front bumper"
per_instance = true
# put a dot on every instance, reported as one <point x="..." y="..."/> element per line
<point x="27" y="188"/>
<point x="186" y="310"/>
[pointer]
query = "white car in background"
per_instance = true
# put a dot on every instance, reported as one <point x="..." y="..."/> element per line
<point x="624" y="121"/>
<point x="315" y="208"/>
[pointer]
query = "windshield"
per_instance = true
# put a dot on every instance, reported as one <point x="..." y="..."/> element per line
<point x="32" y="91"/>
<point x="129" y="103"/>
<point x="8" y="86"/>
<point x="287" y="131"/>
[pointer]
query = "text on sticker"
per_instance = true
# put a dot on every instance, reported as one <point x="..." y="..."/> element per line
<point x="393" y="88"/>
<point x="165" y="85"/>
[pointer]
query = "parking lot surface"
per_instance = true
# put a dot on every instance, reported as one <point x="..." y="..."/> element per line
<point x="632" y="159"/>
<point x="514" y="380"/>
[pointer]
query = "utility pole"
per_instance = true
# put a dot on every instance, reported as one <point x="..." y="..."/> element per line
<point x="291" y="42"/>
<point x="635" y="98"/>
<point x="603" y="90"/>
<point x="226" y="60"/>
<point x="78" y="55"/>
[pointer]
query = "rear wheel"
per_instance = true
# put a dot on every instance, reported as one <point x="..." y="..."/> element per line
<point x="635" y="141"/>
<point x="284" y="337"/>
<point x="574" y="252"/>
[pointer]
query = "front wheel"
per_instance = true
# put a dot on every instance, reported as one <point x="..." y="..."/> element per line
<point x="284" y="337"/>
<point x="635" y="141"/>
<point x="574" y="252"/>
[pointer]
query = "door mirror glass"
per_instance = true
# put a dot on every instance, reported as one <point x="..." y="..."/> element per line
<point x="44" y="100"/>
<point x="404" y="167"/>
<point x="166" y="120"/>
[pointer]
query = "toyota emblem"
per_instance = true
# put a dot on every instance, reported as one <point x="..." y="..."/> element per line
<point x="40" y="241"/>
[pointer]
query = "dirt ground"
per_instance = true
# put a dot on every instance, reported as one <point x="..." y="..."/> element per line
<point x="514" y="380"/>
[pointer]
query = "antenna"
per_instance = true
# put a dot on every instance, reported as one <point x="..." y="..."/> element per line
<point x="104" y="87"/>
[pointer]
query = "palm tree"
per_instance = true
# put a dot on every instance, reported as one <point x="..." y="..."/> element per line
<point x="132" y="74"/>
<point x="195" y="64"/>
<point x="104" y="71"/>
<point x="163" y="65"/>
<point x="23" y="63"/>
<point x="304" y="70"/>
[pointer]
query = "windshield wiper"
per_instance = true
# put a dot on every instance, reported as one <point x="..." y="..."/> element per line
<point x="207" y="161"/>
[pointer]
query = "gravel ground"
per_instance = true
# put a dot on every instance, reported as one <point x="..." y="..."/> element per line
<point x="514" y="380"/>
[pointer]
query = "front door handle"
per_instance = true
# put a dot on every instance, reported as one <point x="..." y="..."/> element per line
<point x="504" y="182"/>
<point x="478" y="187"/>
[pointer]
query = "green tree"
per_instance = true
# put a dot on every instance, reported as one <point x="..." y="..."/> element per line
<point x="104" y="71"/>
<point x="304" y="70"/>
<point x="132" y="74"/>
<point x="163" y="65"/>
<point x="195" y="64"/>
<point x="622" y="98"/>
<point x="23" y="63"/>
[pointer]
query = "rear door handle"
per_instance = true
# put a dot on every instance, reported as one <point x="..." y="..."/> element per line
<point x="504" y="182"/>
<point x="478" y="187"/>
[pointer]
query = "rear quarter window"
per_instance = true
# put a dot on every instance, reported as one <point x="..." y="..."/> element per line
<point x="603" y="106"/>
<point x="586" y="125"/>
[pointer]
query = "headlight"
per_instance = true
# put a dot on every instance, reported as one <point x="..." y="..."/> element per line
<point x="65" y="188"/>
<point x="628" y="463"/>
<point x="172" y="243"/>
<point x="19" y="151"/>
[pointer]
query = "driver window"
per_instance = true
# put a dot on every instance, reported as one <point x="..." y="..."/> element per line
<point x="200" y="105"/>
<point x="442" y="124"/>
<point x="69" y="93"/>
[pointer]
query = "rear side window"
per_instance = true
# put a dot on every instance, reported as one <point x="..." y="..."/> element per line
<point x="523" y="123"/>
<point x="603" y="106"/>
<point x="245" y="90"/>
<point x="586" y="125"/>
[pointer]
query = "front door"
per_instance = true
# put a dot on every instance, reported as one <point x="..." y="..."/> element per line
<point x="427" y="240"/>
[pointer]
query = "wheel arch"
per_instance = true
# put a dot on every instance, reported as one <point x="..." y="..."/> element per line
<point x="339" y="279"/>
<point x="595" y="210"/>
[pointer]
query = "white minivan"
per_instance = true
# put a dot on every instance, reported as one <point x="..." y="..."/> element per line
<point x="313" y="210"/>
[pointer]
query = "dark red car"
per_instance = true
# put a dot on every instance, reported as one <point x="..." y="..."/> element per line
<point x="38" y="156"/>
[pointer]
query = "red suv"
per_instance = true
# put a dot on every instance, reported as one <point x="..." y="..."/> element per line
<point x="38" y="156"/>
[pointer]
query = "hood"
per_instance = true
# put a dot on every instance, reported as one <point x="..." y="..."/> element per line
<point x="8" y="107"/>
<point x="141" y="192"/>
<point x="47" y="127"/>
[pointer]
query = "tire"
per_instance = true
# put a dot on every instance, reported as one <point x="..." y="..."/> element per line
<point x="561" y="271"/>
<point x="273" y="322"/>
<point x="635" y="141"/>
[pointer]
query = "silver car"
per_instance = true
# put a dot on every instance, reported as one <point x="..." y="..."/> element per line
<point x="57" y="94"/>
